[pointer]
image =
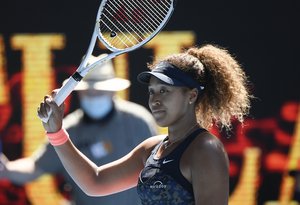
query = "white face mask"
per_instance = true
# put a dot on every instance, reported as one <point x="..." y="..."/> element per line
<point x="96" y="107"/>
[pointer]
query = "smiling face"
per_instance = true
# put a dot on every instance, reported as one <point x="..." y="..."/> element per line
<point x="169" y="104"/>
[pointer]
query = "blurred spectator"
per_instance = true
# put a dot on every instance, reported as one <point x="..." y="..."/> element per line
<point x="105" y="127"/>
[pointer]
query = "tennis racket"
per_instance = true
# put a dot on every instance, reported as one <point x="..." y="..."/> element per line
<point x="121" y="26"/>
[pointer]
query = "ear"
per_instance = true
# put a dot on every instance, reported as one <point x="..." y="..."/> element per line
<point x="193" y="95"/>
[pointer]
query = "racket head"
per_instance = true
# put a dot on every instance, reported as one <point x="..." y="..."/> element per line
<point x="124" y="25"/>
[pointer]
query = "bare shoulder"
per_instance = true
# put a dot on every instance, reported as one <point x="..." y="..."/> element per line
<point x="207" y="141"/>
<point x="208" y="147"/>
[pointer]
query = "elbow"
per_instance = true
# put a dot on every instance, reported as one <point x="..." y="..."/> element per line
<point x="93" y="185"/>
<point x="91" y="191"/>
<point x="95" y="190"/>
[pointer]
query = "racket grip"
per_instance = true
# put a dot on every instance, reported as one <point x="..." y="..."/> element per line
<point x="62" y="94"/>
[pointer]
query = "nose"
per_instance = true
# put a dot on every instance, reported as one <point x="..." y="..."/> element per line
<point x="154" y="101"/>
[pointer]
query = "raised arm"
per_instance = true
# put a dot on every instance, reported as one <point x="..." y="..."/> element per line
<point x="106" y="179"/>
<point x="93" y="180"/>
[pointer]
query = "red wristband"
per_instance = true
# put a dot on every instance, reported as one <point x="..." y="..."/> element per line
<point x="58" y="138"/>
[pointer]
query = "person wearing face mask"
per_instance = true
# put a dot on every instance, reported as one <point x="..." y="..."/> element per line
<point x="96" y="106"/>
<point x="104" y="128"/>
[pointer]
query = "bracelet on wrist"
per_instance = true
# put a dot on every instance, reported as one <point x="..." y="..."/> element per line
<point x="58" y="138"/>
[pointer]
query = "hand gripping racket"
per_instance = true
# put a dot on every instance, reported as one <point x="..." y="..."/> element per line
<point x="122" y="26"/>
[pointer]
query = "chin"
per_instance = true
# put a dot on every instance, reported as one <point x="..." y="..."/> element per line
<point x="161" y="122"/>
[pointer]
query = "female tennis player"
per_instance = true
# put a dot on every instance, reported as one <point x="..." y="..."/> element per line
<point x="188" y="93"/>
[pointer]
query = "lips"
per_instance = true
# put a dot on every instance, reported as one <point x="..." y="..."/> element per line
<point x="158" y="113"/>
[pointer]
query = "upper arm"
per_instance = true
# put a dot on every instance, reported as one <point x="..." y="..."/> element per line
<point x="209" y="171"/>
<point x="121" y="174"/>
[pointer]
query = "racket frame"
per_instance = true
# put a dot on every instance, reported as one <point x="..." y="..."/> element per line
<point x="83" y="69"/>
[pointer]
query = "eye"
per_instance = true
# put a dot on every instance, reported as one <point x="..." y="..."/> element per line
<point x="162" y="90"/>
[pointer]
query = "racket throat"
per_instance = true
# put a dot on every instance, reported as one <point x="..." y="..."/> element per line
<point x="76" y="76"/>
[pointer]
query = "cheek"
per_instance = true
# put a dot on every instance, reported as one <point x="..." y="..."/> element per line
<point x="177" y="100"/>
<point x="176" y="107"/>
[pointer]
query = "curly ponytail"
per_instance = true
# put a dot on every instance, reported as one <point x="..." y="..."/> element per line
<point x="226" y="95"/>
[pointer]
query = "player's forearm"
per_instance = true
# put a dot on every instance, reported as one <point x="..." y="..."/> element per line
<point x="80" y="168"/>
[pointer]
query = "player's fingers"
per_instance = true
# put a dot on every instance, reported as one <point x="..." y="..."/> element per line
<point x="54" y="93"/>
<point x="58" y="111"/>
<point x="52" y="104"/>
<point x="42" y="109"/>
<point x="45" y="104"/>
<point x="62" y="108"/>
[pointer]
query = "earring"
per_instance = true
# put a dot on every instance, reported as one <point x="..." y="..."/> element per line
<point x="190" y="102"/>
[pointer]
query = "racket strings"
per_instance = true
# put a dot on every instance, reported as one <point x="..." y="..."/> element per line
<point x="134" y="19"/>
<point x="136" y="27"/>
<point x="148" y="22"/>
<point x="126" y="23"/>
<point x="153" y="11"/>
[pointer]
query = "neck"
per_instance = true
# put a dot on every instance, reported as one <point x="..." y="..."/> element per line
<point x="170" y="141"/>
<point x="175" y="135"/>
